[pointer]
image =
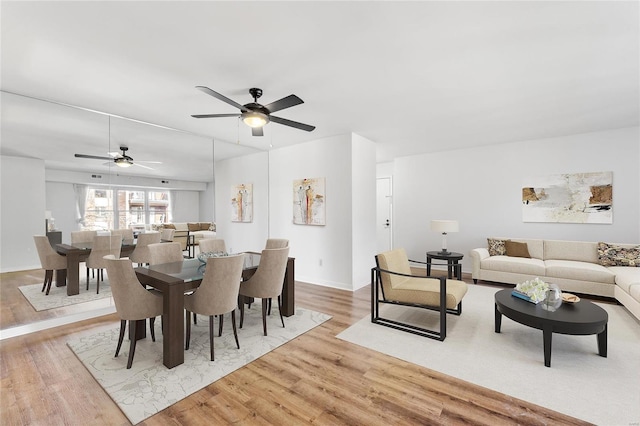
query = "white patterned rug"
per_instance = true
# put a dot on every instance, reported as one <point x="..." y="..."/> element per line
<point x="58" y="298"/>
<point x="149" y="387"/>
<point x="604" y="391"/>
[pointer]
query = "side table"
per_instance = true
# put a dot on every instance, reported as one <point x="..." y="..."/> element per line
<point x="452" y="258"/>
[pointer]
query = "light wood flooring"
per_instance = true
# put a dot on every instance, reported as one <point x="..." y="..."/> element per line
<point x="314" y="379"/>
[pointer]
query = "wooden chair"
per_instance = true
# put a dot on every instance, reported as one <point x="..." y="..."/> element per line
<point x="103" y="245"/>
<point x="212" y="245"/>
<point x="49" y="259"/>
<point x="216" y="295"/>
<point x="141" y="253"/>
<point x="267" y="282"/>
<point x="392" y="282"/>
<point x="133" y="302"/>
<point x="165" y="253"/>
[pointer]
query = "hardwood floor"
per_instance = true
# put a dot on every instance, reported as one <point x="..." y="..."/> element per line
<point x="315" y="378"/>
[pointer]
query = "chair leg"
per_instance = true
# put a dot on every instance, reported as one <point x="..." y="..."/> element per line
<point x="280" y="310"/>
<point x="188" y="331"/>
<point x="123" y="326"/>
<point x="134" y="339"/>
<point x="44" y="284"/>
<point x="269" y="313"/>
<point x="235" y="331"/>
<point x="98" y="281"/>
<point x="49" y="283"/>
<point x="195" y="318"/>
<point x="87" y="278"/>
<point x="220" y="325"/>
<point x="241" y="313"/>
<point x="264" y="315"/>
<point x="211" y="335"/>
<point x="152" y="328"/>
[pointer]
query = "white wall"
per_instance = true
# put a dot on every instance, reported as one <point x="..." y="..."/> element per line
<point x="22" y="212"/>
<point x="481" y="188"/>
<point x="253" y="169"/>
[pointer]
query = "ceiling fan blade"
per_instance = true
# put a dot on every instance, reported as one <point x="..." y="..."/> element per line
<point x="221" y="97"/>
<point x="214" y="115"/>
<point x="149" y="162"/>
<point x="144" y="167"/>
<point x="257" y="131"/>
<point x="94" y="157"/>
<point x="291" y="123"/>
<point x="286" y="102"/>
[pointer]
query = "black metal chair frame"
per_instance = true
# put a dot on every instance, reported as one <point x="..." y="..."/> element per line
<point x="377" y="288"/>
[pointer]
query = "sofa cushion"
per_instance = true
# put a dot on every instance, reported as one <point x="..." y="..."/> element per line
<point x="193" y="226"/>
<point x="618" y="255"/>
<point x="516" y="249"/>
<point x="204" y="226"/>
<point x="580" y="251"/>
<point x="169" y="226"/>
<point x="496" y="247"/>
<point x="626" y="276"/>
<point x="517" y="265"/>
<point x="580" y="271"/>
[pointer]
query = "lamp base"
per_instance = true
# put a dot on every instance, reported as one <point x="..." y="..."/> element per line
<point x="444" y="252"/>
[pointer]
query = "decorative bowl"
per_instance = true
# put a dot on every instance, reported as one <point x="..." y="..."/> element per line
<point x="570" y="298"/>
<point x="202" y="257"/>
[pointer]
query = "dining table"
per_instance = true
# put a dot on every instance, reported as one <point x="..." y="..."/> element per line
<point x="175" y="279"/>
<point x="76" y="253"/>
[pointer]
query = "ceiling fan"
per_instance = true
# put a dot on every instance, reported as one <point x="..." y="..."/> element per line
<point x="120" y="159"/>
<point x="256" y="115"/>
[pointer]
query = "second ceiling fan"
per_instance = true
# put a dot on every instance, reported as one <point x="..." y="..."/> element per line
<point x="256" y="115"/>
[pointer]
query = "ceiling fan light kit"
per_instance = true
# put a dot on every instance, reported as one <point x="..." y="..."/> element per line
<point x="256" y="115"/>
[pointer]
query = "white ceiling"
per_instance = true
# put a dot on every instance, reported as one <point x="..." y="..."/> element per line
<point x="412" y="77"/>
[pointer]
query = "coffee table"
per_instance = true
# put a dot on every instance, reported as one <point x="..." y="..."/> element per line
<point x="581" y="318"/>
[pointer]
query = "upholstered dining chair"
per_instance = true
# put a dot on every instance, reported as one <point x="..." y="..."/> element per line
<point x="273" y="243"/>
<point x="49" y="259"/>
<point x="141" y="253"/>
<point x="102" y="246"/>
<point x="133" y="302"/>
<point x="212" y="245"/>
<point x="392" y="282"/>
<point x="165" y="253"/>
<point x="127" y="234"/>
<point x="267" y="282"/>
<point x="216" y="295"/>
<point x="167" y="234"/>
<point x="82" y="236"/>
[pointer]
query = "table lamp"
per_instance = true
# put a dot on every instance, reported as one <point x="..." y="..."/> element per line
<point x="444" y="226"/>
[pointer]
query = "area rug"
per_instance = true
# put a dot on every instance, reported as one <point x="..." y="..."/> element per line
<point x="58" y="298"/>
<point x="149" y="387"/>
<point x="580" y="383"/>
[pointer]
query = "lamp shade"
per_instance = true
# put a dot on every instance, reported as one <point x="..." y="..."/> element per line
<point x="444" y="226"/>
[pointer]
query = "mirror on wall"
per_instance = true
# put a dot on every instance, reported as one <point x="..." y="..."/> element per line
<point x="164" y="159"/>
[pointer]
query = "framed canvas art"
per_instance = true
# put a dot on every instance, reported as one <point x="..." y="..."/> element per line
<point x="568" y="198"/>
<point x="242" y="202"/>
<point x="309" y="201"/>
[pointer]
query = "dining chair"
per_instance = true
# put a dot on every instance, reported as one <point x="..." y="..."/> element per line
<point x="82" y="236"/>
<point x="167" y="234"/>
<point x="212" y="245"/>
<point x="141" y="253"/>
<point x="49" y="259"/>
<point x="133" y="302"/>
<point x="273" y="243"/>
<point x="102" y="246"/>
<point x="216" y="295"/>
<point x="165" y="253"/>
<point x="127" y="234"/>
<point x="267" y="282"/>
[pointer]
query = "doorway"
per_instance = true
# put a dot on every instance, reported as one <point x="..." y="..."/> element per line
<point x="384" y="222"/>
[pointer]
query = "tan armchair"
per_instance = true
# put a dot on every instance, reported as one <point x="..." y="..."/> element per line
<point x="49" y="259"/>
<point x="216" y="295"/>
<point x="392" y="282"/>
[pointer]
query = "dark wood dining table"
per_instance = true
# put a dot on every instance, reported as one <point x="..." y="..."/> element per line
<point x="174" y="279"/>
<point x="75" y="254"/>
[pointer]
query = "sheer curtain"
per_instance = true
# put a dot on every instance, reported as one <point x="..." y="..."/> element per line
<point x="172" y="205"/>
<point x="81" y="201"/>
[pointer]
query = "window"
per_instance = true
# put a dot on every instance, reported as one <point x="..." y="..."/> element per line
<point x="133" y="208"/>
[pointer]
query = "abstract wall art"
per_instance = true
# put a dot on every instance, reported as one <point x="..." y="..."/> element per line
<point x="242" y="202"/>
<point x="568" y="198"/>
<point x="309" y="201"/>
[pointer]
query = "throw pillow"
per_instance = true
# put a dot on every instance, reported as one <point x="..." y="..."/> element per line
<point x="614" y="255"/>
<point x="496" y="247"/>
<point x="515" y="249"/>
<point x="193" y="226"/>
<point x="204" y="226"/>
<point x="212" y="227"/>
<point x="169" y="226"/>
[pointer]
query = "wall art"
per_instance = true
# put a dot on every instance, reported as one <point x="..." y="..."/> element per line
<point x="242" y="202"/>
<point x="309" y="201"/>
<point x="568" y="198"/>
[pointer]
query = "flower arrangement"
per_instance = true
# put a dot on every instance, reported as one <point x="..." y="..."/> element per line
<point x="535" y="289"/>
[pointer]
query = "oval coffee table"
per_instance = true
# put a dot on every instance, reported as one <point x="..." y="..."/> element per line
<point x="581" y="318"/>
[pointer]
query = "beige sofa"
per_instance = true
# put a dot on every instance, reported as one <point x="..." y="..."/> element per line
<point x="575" y="266"/>
<point x="183" y="230"/>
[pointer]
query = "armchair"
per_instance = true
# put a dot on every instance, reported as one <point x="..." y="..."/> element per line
<point x="392" y="282"/>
